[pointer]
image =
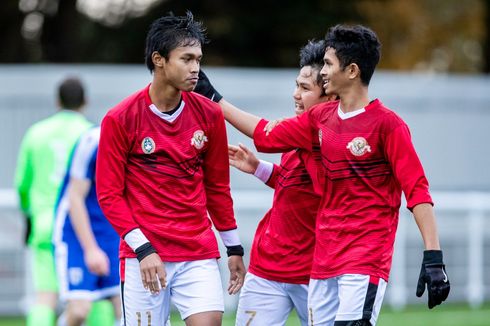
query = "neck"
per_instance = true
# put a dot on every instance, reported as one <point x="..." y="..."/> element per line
<point x="354" y="99"/>
<point x="163" y="95"/>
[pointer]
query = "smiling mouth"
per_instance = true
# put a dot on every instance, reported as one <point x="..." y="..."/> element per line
<point x="298" y="108"/>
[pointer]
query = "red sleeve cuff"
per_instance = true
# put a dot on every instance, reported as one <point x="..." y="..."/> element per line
<point x="423" y="199"/>
<point x="259" y="134"/>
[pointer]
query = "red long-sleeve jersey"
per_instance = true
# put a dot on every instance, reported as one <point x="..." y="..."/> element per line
<point x="165" y="176"/>
<point x="282" y="249"/>
<point x="368" y="159"/>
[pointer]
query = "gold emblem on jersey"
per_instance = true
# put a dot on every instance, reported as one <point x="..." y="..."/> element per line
<point x="148" y="145"/>
<point x="358" y="146"/>
<point x="198" y="139"/>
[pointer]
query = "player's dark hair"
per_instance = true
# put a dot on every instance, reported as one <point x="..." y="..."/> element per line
<point x="71" y="93"/>
<point x="169" y="32"/>
<point x="355" y="44"/>
<point x="312" y="55"/>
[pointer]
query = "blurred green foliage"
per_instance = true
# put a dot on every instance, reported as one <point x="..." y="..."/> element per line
<point x="434" y="35"/>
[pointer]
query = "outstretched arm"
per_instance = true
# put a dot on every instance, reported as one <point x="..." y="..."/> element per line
<point x="295" y="135"/>
<point x="243" y="121"/>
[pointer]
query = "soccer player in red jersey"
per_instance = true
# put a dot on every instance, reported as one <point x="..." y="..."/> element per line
<point x="282" y="250"/>
<point x="368" y="160"/>
<point x="162" y="166"/>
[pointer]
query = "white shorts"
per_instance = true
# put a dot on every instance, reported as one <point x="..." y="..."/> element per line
<point x="265" y="302"/>
<point x="193" y="287"/>
<point x="343" y="298"/>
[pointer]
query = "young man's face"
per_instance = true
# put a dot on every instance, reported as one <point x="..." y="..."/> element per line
<point x="335" y="79"/>
<point x="182" y="67"/>
<point x="307" y="92"/>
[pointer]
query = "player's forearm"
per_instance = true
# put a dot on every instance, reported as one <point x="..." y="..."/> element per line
<point x="243" y="121"/>
<point x="81" y="224"/>
<point x="426" y="221"/>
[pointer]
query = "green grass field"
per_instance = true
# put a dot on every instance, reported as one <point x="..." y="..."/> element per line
<point x="446" y="315"/>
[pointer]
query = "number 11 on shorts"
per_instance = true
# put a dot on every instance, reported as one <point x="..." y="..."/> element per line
<point x="148" y="316"/>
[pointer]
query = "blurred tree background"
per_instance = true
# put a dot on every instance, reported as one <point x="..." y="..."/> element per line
<point x="428" y="35"/>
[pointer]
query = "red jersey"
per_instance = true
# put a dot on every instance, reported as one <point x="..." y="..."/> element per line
<point x="282" y="249"/>
<point x="164" y="177"/>
<point x="368" y="160"/>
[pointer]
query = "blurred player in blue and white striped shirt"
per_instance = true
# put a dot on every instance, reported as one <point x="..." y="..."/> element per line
<point x="86" y="245"/>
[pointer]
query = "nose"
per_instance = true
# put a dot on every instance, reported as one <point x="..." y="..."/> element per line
<point x="296" y="93"/>
<point x="195" y="66"/>
<point x="323" y="72"/>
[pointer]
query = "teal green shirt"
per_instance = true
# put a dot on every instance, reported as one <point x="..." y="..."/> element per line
<point x="41" y="166"/>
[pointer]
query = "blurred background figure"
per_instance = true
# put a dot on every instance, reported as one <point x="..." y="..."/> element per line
<point x="42" y="161"/>
<point x="86" y="245"/>
<point x="41" y="165"/>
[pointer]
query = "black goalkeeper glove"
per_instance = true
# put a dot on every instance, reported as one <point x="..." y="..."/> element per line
<point x="433" y="273"/>
<point x="205" y="88"/>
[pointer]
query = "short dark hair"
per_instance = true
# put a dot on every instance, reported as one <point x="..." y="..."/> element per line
<point x="169" y="32"/>
<point x="312" y="55"/>
<point x="71" y="93"/>
<point x="355" y="44"/>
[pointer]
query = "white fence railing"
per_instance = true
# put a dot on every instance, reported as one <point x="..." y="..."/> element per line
<point x="464" y="229"/>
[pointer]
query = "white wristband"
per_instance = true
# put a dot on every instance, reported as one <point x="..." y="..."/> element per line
<point x="230" y="238"/>
<point x="135" y="239"/>
<point x="264" y="170"/>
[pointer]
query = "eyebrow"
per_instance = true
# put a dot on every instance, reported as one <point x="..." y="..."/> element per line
<point x="303" y="84"/>
<point x="191" y="55"/>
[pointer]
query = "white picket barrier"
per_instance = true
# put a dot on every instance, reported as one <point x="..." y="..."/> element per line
<point x="463" y="221"/>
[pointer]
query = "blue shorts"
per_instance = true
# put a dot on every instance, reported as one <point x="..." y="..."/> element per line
<point x="76" y="282"/>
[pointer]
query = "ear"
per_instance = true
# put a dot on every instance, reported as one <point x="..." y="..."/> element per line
<point x="353" y="71"/>
<point x="157" y="59"/>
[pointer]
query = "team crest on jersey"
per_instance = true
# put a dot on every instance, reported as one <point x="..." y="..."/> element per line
<point x="75" y="275"/>
<point x="198" y="139"/>
<point x="359" y="146"/>
<point x="148" y="145"/>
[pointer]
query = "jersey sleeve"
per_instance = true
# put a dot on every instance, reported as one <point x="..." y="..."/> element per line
<point x="217" y="178"/>
<point x="111" y="175"/>
<point x="407" y="167"/>
<point x="83" y="158"/>
<point x="290" y="134"/>
<point x="24" y="174"/>
<point x="276" y="171"/>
